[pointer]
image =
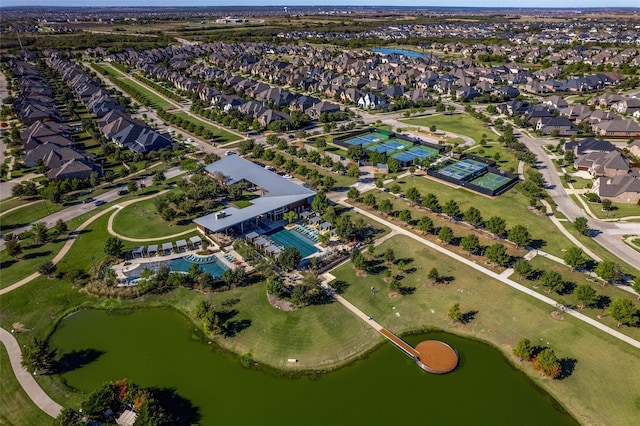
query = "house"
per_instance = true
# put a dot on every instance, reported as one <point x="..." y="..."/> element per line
<point x="621" y="189"/>
<point x="322" y="107"/>
<point x="627" y="106"/>
<point x="634" y="148"/>
<point x="371" y="101"/>
<point x="555" y="102"/>
<point x="603" y="163"/>
<point x="556" y="126"/>
<point x="617" y="128"/>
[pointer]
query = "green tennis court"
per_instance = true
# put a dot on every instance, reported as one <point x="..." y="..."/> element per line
<point x="490" y="180"/>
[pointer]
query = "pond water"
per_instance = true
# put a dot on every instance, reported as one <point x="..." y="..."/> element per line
<point x="160" y="348"/>
<point x="409" y="53"/>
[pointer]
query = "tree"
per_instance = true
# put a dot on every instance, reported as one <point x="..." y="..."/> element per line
<point x="430" y="201"/>
<point x="523" y="349"/>
<point x="523" y="268"/>
<point x="473" y="216"/>
<point x="497" y="253"/>
<point x="624" y="312"/>
<point x="433" y="275"/>
<point x="606" y="205"/>
<point x="320" y="202"/>
<point x="39" y="233"/>
<point x="132" y="186"/>
<point x="102" y="399"/>
<point x="358" y="260"/>
<point x="389" y="256"/>
<point x="404" y="215"/>
<point x="353" y="171"/>
<point x="574" y="257"/>
<point x="581" y="225"/>
<point x="586" y="295"/>
<point x="470" y="243"/>
<point x="547" y="363"/>
<point x="275" y="287"/>
<point x="69" y="417"/>
<point x="369" y="199"/>
<point x="47" y="268"/>
<point x="553" y="281"/>
<point x="607" y="270"/>
<point x="445" y="234"/>
<point x="496" y="225"/>
<point x="519" y="235"/>
<point x="393" y="164"/>
<point x="636" y="285"/>
<point x="343" y="227"/>
<point x="454" y="313"/>
<point x="451" y="209"/>
<point x="290" y="216"/>
<point x="353" y="193"/>
<point x="289" y="258"/>
<point x="12" y="244"/>
<point x="114" y="247"/>
<point x="159" y="178"/>
<point x="385" y="206"/>
<point x="38" y="356"/>
<point x="413" y="194"/>
<point x="425" y="224"/>
<point x="61" y="227"/>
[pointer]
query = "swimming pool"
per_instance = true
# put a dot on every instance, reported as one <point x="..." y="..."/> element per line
<point x="216" y="268"/>
<point x="291" y="239"/>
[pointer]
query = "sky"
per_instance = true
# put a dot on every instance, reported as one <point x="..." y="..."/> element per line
<point x="450" y="3"/>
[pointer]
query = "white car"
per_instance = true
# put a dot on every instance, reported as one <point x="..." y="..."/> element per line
<point x="287" y="177"/>
<point x="230" y="153"/>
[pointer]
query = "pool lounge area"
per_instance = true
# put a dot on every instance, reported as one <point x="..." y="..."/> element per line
<point x="285" y="238"/>
<point x="215" y="268"/>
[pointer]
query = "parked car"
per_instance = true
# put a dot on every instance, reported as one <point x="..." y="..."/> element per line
<point x="88" y="200"/>
<point x="230" y="152"/>
<point x="99" y="203"/>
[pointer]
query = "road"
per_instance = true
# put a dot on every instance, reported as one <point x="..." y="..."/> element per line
<point x="80" y="208"/>
<point x="609" y="234"/>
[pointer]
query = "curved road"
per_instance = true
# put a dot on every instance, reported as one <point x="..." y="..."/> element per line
<point x="609" y="234"/>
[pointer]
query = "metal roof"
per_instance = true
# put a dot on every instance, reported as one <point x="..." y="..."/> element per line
<point x="279" y="192"/>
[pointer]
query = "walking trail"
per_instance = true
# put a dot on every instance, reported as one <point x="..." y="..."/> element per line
<point x="499" y="277"/>
<point x="26" y="380"/>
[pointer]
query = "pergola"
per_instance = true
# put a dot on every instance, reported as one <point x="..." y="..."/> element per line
<point x="195" y="242"/>
<point x="181" y="246"/>
<point x="167" y="248"/>
<point x="152" y="250"/>
<point x="138" y="251"/>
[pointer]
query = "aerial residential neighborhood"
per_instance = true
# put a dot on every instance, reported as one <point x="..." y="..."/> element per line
<point x="274" y="214"/>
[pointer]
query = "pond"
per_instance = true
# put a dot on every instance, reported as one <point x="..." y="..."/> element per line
<point x="160" y="348"/>
<point x="409" y="53"/>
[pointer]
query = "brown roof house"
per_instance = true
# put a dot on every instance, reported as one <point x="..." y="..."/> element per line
<point x="621" y="189"/>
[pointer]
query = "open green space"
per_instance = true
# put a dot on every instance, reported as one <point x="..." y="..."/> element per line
<point x="27" y="215"/>
<point x="142" y="220"/>
<point x="579" y="183"/>
<point x="17" y="407"/>
<point x="220" y="136"/>
<point x="618" y="210"/>
<point x="462" y="124"/>
<point x="10" y="203"/>
<point x="505" y="161"/>
<point x="597" y="392"/>
<point x="127" y="84"/>
<point x="511" y="206"/>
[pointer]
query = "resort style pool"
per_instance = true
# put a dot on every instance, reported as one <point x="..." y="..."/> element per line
<point x="409" y="53"/>
<point x="291" y="239"/>
<point x="215" y="268"/>
<point x="159" y="348"/>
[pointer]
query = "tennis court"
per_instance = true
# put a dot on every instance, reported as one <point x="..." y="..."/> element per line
<point x="423" y="151"/>
<point x="366" y="139"/>
<point x="490" y="180"/>
<point x="379" y="147"/>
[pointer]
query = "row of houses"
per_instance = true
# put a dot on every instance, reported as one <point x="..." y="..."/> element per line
<point x="47" y="141"/>
<point x="614" y="178"/>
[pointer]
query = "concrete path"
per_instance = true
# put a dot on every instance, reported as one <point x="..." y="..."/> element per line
<point x="567" y="234"/>
<point x="26" y="380"/>
<point x="498" y="277"/>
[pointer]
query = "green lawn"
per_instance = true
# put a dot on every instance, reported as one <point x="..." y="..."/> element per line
<point x="506" y="161"/>
<point x="220" y="136"/>
<point x="512" y="206"/>
<point x="617" y="210"/>
<point x="10" y="203"/>
<point x="126" y="84"/>
<point x="462" y="124"/>
<point x="28" y="215"/>
<point x="16" y="408"/>
<point x="142" y="220"/>
<point x="579" y="183"/>
<point x="598" y="391"/>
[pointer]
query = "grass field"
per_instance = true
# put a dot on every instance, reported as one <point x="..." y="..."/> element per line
<point x="617" y="210"/>
<point x="27" y="215"/>
<point x="142" y="220"/>
<point x="17" y="407"/>
<point x="507" y="160"/>
<point x="462" y="124"/>
<point x="220" y="136"/>
<point x="126" y="84"/>
<point x="598" y="392"/>
<point x="512" y="206"/>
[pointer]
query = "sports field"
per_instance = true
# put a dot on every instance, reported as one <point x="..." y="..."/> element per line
<point x="490" y="180"/>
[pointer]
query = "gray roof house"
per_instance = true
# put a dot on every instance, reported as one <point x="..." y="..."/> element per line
<point x="279" y="195"/>
<point x="622" y="189"/>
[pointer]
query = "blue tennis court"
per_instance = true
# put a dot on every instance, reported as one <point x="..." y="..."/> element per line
<point x="471" y="166"/>
<point x="379" y="147"/>
<point x="422" y="152"/>
<point x="366" y="139"/>
<point x="490" y="180"/>
<point x="291" y="239"/>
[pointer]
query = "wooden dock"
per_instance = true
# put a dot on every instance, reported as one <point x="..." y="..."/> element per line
<point x="404" y="346"/>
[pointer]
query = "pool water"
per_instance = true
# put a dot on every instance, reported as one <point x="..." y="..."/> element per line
<point x="216" y="268"/>
<point x="291" y="239"/>
<point x="409" y="53"/>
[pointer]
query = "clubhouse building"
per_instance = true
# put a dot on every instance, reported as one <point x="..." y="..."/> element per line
<point x="275" y="196"/>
